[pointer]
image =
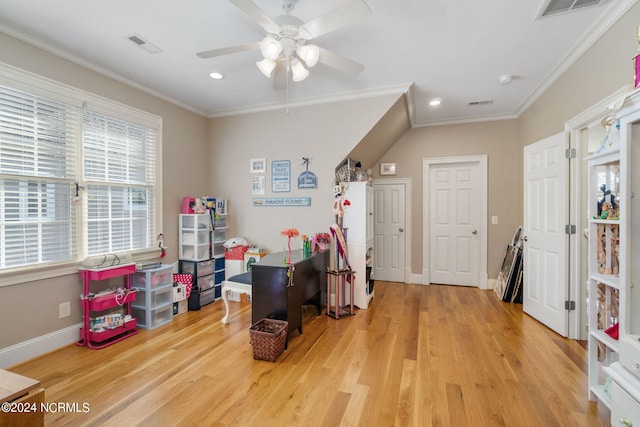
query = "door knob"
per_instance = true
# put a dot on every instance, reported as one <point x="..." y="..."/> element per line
<point x="401" y="229"/>
<point x="474" y="232"/>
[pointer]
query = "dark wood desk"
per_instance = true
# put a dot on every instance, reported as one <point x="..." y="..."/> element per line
<point x="271" y="297"/>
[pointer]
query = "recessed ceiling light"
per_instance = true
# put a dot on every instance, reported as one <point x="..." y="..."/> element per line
<point x="506" y="79"/>
<point x="216" y="76"/>
<point x="435" y="102"/>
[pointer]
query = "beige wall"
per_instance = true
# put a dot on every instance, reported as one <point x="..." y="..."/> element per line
<point x="323" y="133"/>
<point x="499" y="141"/>
<point x="34" y="306"/>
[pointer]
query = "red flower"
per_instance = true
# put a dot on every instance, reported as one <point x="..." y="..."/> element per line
<point x="290" y="232"/>
<point x="322" y="237"/>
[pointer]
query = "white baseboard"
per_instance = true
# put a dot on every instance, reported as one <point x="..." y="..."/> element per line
<point x="38" y="346"/>
<point x="417" y="279"/>
<point x="491" y="283"/>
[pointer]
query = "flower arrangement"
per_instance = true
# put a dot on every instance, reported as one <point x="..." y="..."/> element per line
<point x="289" y="233"/>
<point x="321" y="240"/>
<point x="322" y="237"/>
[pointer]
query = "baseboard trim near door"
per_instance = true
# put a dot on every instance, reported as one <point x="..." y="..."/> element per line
<point x="26" y="350"/>
<point x="416" y="279"/>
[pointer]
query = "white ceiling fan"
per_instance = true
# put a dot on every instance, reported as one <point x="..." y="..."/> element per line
<point x="285" y="45"/>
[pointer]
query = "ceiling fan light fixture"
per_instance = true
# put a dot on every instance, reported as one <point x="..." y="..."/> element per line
<point x="298" y="72"/>
<point x="270" y="48"/>
<point x="309" y="53"/>
<point x="266" y="66"/>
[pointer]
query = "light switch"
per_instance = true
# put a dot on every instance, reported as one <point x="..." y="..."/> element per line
<point x="494" y="220"/>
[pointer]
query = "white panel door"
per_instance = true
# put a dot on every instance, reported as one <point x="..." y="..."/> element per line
<point x="546" y="201"/>
<point x="454" y="216"/>
<point x="389" y="232"/>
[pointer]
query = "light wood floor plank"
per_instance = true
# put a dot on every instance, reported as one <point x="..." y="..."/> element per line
<point x="419" y="356"/>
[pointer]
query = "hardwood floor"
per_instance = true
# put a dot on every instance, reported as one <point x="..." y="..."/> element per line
<point x="420" y="356"/>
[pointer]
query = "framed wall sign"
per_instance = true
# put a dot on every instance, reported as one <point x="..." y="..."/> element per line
<point x="387" y="168"/>
<point x="281" y="201"/>
<point x="258" y="185"/>
<point x="281" y="176"/>
<point x="307" y="179"/>
<point x="257" y="165"/>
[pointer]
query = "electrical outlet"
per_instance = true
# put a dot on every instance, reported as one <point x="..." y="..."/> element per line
<point x="65" y="309"/>
<point x="494" y="220"/>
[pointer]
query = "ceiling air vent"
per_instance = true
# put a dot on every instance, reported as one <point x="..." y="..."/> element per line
<point x="485" y="102"/>
<point x="144" y="44"/>
<point x="554" y="7"/>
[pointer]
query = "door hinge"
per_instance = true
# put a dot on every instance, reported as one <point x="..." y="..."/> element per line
<point x="570" y="229"/>
<point x="569" y="305"/>
<point x="570" y="153"/>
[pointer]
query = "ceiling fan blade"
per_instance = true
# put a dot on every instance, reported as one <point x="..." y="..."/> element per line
<point x="340" y="63"/>
<point x="227" y="50"/>
<point x="257" y="14"/>
<point x="351" y="12"/>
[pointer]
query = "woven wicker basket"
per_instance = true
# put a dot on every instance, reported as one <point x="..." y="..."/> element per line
<point x="268" y="337"/>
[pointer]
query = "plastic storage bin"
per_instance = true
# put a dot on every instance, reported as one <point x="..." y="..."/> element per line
<point x="205" y="283"/>
<point x="207" y="296"/>
<point x="203" y="267"/>
<point x="153" y="318"/>
<point x="219" y="263"/>
<point x="154" y="297"/>
<point x="154" y="278"/>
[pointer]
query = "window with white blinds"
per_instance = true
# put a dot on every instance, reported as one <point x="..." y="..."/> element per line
<point x="38" y="143"/>
<point x="120" y="176"/>
<point x="52" y="148"/>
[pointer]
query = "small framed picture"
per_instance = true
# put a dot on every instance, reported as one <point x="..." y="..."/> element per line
<point x="387" y="168"/>
<point x="258" y="185"/>
<point x="258" y="165"/>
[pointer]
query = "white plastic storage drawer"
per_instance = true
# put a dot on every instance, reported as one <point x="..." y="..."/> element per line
<point x="154" y="317"/>
<point x="221" y="221"/>
<point x="155" y="278"/>
<point x="153" y="298"/>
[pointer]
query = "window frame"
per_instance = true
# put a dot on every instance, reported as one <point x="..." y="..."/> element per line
<point x="42" y="86"/>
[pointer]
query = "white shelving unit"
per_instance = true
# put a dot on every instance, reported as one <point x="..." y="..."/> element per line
<point x="625" y="374"/>
<point x="195" y="235"/>
<point x="358" y="219"/>
<point x="604" y="268"/>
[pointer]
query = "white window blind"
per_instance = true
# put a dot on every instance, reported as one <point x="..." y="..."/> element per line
<point x="38" y="138"/>
<point x="120" y="178"/>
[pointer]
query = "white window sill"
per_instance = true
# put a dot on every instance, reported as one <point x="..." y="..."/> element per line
<point x="48" y="271"/>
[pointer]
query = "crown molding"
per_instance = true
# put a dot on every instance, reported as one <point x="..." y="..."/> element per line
<point x="399" y="89"/>
<point x="468" y="119"/>
<point x="614" y="12"/>
<point x="33" y="40"/>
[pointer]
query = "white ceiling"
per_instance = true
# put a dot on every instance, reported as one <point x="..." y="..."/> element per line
<point x="453" y="50"/>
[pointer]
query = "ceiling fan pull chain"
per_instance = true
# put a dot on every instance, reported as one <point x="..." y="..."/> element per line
<point x="286" y="112"/>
